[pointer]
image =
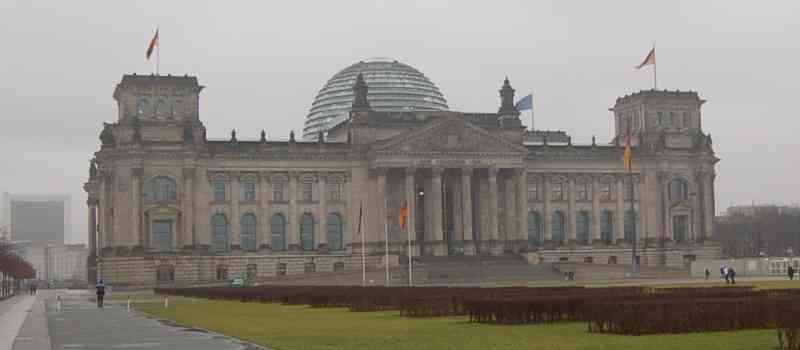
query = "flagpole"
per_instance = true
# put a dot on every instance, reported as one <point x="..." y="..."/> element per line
<point x="386" y="233"/>
<point x="655" y="64"/>
<point x="158" y="52"/>
<point x="363" y="246"/>
<point x="408" y="233"/>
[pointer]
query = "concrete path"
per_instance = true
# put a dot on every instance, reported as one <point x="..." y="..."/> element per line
<point x="76" y="323"/>
<point x="13" y="312"/>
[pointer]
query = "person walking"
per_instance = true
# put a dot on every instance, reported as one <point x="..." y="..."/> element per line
<point x="790" y="271"/>
<point x="708" y="274"/>
<point x="101" y="292"/>
<point x="731" y="275"/>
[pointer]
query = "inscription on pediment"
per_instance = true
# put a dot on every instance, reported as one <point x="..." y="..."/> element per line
<point x="452" y="136"/>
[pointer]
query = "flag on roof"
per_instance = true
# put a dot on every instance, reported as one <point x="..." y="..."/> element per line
<point x="649" y="60"/>
<point x="525" y="103"/>
<point x="153" y="43"/>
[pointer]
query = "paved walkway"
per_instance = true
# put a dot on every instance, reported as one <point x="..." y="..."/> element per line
<point x="76" y="323"/>
<point x="13" y="312"/>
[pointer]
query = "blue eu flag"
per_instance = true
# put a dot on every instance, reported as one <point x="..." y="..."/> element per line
<point x="525" y="103"/>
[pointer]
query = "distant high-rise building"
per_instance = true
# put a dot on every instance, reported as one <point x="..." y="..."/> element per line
<point x="36" y="218"/>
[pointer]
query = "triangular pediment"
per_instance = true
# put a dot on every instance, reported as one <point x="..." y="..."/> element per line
<point x="451" y="134"/>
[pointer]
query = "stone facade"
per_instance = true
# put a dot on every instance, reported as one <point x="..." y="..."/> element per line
<point x="161" y="194"/>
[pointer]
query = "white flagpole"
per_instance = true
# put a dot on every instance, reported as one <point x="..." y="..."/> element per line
<point x="158" y="51"/>
<point x="386" y="232"/>
<point x="655" y="64"/>
<point x="408" y="233"/>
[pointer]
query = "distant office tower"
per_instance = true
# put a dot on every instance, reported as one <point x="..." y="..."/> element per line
<point x="36" y="218"/>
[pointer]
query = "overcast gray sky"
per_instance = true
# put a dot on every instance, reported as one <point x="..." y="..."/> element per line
<point x="263" y="62"/>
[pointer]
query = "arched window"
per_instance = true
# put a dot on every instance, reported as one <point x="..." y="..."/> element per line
<point x="607" y="226"/>
<point x="630" y="225"/>
<point x="278" y="228"/>
<point x="679" y="189"/>
<point x="307" y="232"/>
<point x="680" y="224"/>
<point x="161" y="188"/>
<point x="557" y="223"/>
<point x="583" y="223"/>
<point x="142" y="107"/>
<point x="535" y="228"/>
<point x="219" y="233"/>
<point x="335" y="237"/>
<point x="249" y="232"/>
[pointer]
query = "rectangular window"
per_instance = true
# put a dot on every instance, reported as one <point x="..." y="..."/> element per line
<point x="334" y="192"/>
<point x="533" y="191"/>
<point x="558" y="192"/>
<point x="277" y="191"/>
<point x="660" y="118"/>
<point x="219" y="191"/>
<point x="608" y="189"/>
<point x="583" y="191"/>
<point x="249" y="191"/>
<point x="686" y="120"/>
<point x="308" y="191"/>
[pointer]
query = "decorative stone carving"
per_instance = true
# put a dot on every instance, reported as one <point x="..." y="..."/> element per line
<point x="106" y="136"/>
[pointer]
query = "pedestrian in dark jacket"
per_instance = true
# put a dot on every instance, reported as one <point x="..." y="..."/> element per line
<point x="731" y="275"/>
<point x="790" y="270"/>
<point x="101" y="292"/>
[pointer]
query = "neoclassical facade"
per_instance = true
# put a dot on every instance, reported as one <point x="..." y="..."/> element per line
<point x="167" y="204"/>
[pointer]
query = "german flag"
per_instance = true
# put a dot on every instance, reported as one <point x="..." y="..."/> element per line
<point x="152" y="46"/>
<point x="627" y="158"/>
<point x="403" y="216"/>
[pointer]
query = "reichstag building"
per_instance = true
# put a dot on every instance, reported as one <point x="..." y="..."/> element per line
<point x="166" y="204"/>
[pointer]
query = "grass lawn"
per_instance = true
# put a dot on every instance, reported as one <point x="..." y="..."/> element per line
<point x="301" y="327"/>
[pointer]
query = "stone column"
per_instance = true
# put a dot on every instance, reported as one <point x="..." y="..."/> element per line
<point x="379" y="206"/>
<point x="665" y="219"/>
<point x="92" y="225"/>
<point x="493" y="234"/>
<point x="136" y="200"/>
<point x="596" y="225"/>
<point x="436" y="211"/>
<point x="509" y="205"/>
<point x="571" y="232"/>
<point x="522" y="207"/>
<point x="642" y="231"/>
<point x="546" y="215"/>
<point x="293" y="227"/>
<point x="262" y="233"/>
<point x="236" y="217"/>
<point x="708" y="207"/>
<point x="411" y="202"/>
<point x="466" y="211"/>
<point x="188" y="209"/>
<point x="322" y="211"/>
<point x="101" y="211"/>
<point x="620" y="227"/>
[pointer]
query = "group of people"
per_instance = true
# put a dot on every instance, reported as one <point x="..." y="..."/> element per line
<point x="728" y="274"/>
<point x="32" y="288"/>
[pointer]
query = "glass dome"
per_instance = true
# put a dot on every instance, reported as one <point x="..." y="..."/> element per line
<point x="393" y="86"/>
